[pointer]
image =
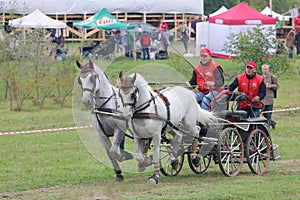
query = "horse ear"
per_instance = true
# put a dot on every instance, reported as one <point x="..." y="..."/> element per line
<point x="78" y="64"/>
<point x="91" y="65"/>
<point x="120" y="74"/>
<point x="133" y="78"/>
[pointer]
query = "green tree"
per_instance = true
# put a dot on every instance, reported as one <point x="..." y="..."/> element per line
<point x="259" y="45"/>
<point x="213" y="5"/>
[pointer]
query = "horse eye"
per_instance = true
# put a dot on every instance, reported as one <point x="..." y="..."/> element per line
<point x="93" y="78"/>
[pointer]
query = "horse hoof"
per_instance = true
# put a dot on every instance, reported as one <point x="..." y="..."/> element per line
<point x="196" y="161"/>
<point x="119" y="177"/>
<point x="141" y="167"/>
<point x="153" y="179"/>
<point x="175" y="164"/>
<point x="126" y="156"/>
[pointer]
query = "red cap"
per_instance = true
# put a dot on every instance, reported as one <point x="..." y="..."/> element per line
<point x="251" y="64"/>
<point x="205" y="51"/>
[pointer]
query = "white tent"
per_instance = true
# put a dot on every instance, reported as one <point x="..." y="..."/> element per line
<point x="36" y="20"/>
<point x="92" y="6"/>
<point x="268" y="12"/>
<point x="219" y="11"/>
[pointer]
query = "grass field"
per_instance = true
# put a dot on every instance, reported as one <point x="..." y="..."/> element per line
<point x="57" y="165"/>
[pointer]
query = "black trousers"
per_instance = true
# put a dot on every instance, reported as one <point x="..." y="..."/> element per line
<point x="268" y="115"/>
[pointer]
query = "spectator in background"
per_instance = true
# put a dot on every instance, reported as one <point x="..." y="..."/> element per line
<point x="297" y="42"/>
<point x="162" y="26"/>
<point x="185" y="37"/>
<point x="118" y="39"/>
<point x="145" y="43"/>
<point x="128" y="43"/>
<point x="194" y="26"/>
<point x="271" y="92"/>
<point x="165" y="41"/>
<point x="290" y="41"/>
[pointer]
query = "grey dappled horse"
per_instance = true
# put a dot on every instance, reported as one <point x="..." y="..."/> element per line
<point x="147" y="114"/>
<point x="98" y="92"/>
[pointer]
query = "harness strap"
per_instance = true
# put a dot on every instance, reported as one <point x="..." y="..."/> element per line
<point x="146" y="104"/>
<point x="109" y="110"/>
<point x="167" y="103"/>
<point x="101" y="125"/>
<point x="142" y="115"/>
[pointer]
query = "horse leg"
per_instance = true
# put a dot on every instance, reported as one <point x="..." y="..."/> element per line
<point x="194" y="130"/>
<point x="118" y="137"/>
<point x="175" y="150"/>
<point x="143" y="161"/>
<point x="105" y="141"/>
<point x="156" y="158"/>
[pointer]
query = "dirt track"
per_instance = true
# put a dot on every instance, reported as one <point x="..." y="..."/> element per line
<point x="108" y="190"/>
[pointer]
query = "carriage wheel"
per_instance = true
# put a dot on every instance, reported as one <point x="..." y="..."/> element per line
<point x="204" y="162"/>
<point x="230" y="152"/>
<point x="258" y="151"/>
<point x="166" y="156"/>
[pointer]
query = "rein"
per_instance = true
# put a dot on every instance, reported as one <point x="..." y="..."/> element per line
<point x="100" y="110"/>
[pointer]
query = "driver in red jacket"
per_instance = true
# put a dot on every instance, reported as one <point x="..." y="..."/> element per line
<point x="253" y="85"/>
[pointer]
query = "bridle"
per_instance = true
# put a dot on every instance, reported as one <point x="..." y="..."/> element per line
<point x="93" y="79"/>
<point x="134" y="96"/>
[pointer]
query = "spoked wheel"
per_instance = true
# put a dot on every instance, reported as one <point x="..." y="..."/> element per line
<point x="230" y="152"/>
<point x="258" y="151"/>
<point x="204" y="162"/>
<point x="167" y="167"/>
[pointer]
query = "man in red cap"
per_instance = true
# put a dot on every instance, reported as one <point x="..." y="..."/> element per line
<point x="253" y="85"/>
<point x="208" y="76"/>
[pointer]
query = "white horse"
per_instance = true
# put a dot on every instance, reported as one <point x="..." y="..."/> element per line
<point x="148" y="114"/>
<point x="99" y="93"/>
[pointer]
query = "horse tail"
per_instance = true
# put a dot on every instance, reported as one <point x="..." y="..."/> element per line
<point x="205" y="117"/>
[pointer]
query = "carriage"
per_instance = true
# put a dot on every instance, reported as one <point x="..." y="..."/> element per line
<point x="239" y="140"/>
<point x="230" y="139"/>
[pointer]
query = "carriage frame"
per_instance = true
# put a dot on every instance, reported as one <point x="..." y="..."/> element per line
<point x="237" y="140"/>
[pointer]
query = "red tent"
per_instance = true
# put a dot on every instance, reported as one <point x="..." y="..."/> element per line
<point x="239" y="18"/>
<point x="241" y="14"/>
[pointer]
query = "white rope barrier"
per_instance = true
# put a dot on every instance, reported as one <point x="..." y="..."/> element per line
<point x="90" y="126"/>
<point x="45" y="130"/>
<point x="281" y="110"/>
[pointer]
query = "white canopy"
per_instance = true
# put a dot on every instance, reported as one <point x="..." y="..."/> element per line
<point x="54" y="7"/>
<point x="36" y="20"/>
<point x="267" y="11"/>
<point x="219" y="11"/>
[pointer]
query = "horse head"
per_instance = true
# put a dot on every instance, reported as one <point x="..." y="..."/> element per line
<point x="128" y="93"/>
<point x="87" y="81"/>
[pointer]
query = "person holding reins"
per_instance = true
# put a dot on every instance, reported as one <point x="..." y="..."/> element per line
<point x="208" y="76"/>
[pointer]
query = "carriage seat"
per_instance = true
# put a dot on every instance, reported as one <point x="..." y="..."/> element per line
<point x="254" y="119"/>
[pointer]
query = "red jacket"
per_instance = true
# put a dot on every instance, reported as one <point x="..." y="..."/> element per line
<point x="250" y="87"/>
<point x="205" y="74"/>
